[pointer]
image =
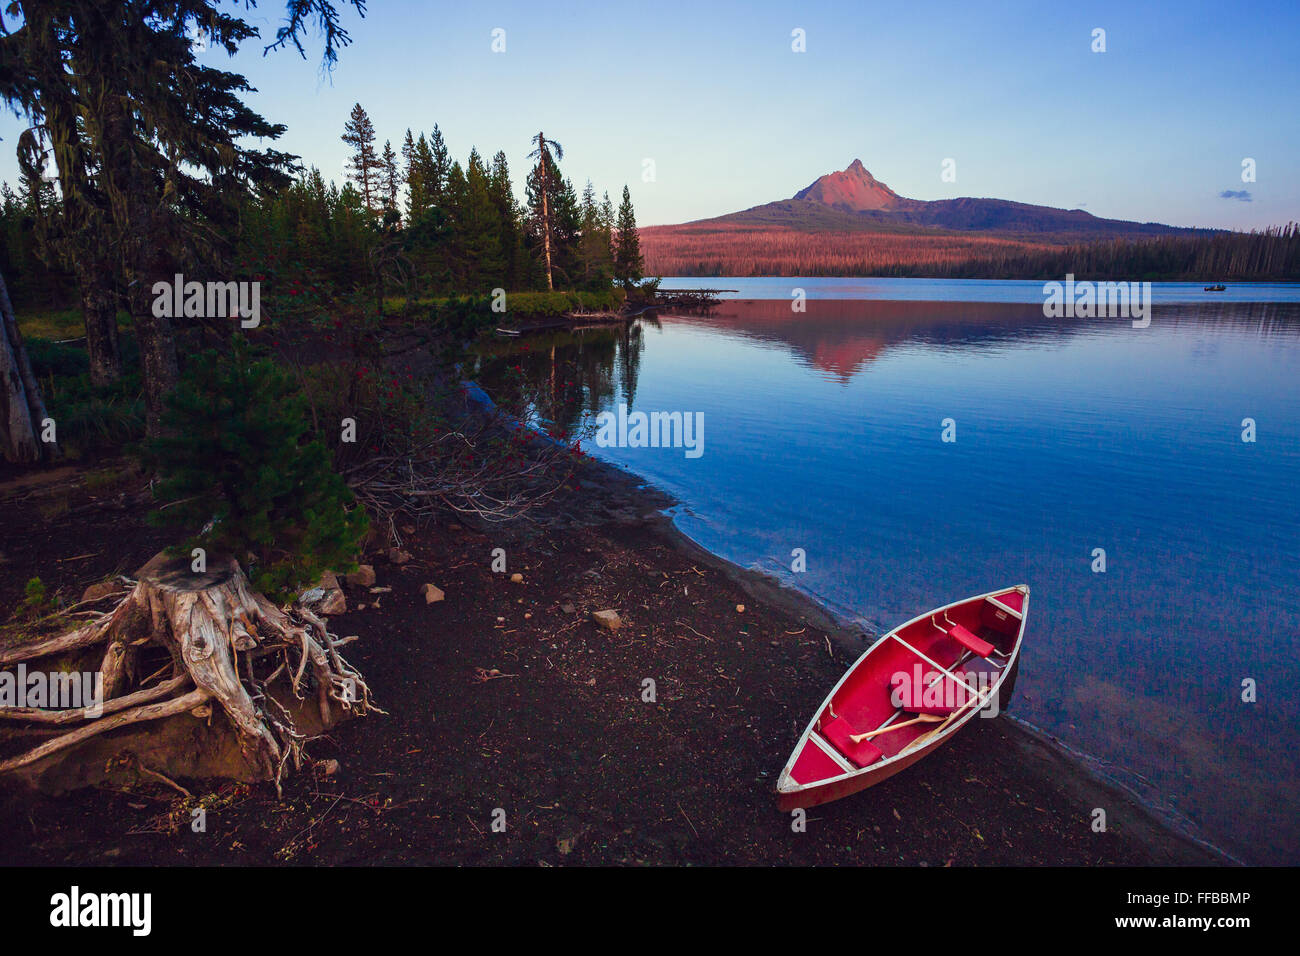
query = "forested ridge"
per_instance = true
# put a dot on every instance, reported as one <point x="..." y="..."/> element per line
<point x="736" y="250"/>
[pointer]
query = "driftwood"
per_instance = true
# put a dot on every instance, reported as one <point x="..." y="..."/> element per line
<point x="227" y="645"/>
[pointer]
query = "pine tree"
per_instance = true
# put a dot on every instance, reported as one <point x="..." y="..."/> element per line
<point x="455" y="201"/>
<point x="629" y="266"/>
<point x="558" y="205"/>
<point x="481" y="237"/>
<point x="545" y="176"/>
<point x="408" y="149"/>
<point x="608" y="220"/>
<point x="595" y="245"/>
<point x="145" y="104"/>
<point x="149" y="148"/>
<point x="416" y="195"/>
<point x="567" y="230"/>
<point x="502" y="195"/>
<point x="437" y="166"/>
<point x="365" y="167"/>
<point x="240" y="470"/>
<point x="389" y="176"/>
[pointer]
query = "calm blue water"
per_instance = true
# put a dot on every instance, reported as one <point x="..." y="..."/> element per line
<point x="823" y="432"/>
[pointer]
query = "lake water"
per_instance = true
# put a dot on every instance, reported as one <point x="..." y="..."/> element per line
<point x="823" y="431"/>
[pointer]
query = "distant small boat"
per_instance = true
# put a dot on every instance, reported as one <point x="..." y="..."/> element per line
<point x="964" y="654"/>
<point x="1215" y="288"/>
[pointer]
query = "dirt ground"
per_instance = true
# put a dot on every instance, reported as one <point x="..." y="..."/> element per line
<point x="557" y="741"/>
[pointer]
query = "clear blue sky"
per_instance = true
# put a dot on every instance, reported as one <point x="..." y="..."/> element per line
<point x="1155" y="128"/>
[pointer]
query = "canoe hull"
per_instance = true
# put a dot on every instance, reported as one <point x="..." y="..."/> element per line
<point x="793" y="793"/>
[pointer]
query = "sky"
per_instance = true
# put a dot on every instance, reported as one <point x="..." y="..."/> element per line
<point x="706" y="108"/>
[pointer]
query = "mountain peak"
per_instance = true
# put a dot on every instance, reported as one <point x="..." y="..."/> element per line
<point x="854" y="189"/>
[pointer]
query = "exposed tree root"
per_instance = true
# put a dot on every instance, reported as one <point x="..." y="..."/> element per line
<point x="166" y="708"/>
<point x="61" y="717"/>
<point x="206" y="623"/>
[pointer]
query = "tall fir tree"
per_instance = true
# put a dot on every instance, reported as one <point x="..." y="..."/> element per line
<point x="595" y="246"/>
<point x="437" y="166"/>
<point x="389" y="178"/>
<point x="148" y="143"/>
<point x="555" y="205"/>
<point x="547" y="152"/>
<point x="501" y="192"/>
<point x="455" y="201"/>
<point x="416" y="197"/>
<point x="365" y="168"/>
<point x="484" y="265"/>
<point x="168" y="135"/>
<point x="568" y="230"/>
<point x="629" y="266"/>
<point x="608" y="220"/>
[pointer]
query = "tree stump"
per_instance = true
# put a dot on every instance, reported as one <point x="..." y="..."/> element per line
<point x="207" y="644"/>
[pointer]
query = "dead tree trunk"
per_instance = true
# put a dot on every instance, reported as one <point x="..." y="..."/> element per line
<point x="229" y="647"/>
<point x="21" y="405"/>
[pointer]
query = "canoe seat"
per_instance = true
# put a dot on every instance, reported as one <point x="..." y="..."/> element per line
<point x="862" y="754"/>
<point x="967" y="639"/>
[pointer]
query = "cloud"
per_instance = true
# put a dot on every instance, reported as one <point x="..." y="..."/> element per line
<point x="1240" y="194"/>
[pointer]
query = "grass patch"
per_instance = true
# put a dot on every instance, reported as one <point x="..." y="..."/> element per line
<point x="54" y="324"/>
<point x="59" y="324"/>
<point x="518" y="304"/>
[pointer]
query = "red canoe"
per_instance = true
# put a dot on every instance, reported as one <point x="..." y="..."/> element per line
<point x="938" y="670"/>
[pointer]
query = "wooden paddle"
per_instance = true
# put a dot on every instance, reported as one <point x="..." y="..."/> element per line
<point x="974" y="700"/>
<point x="922" y="719"/>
